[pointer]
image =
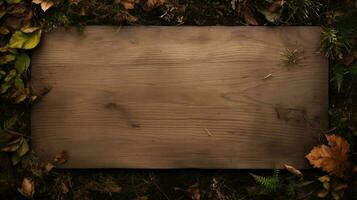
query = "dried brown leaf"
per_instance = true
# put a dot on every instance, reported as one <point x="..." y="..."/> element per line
<point x="273" y="12"/>
<point x="48" y="167"/>
<point x="332" y="158"/>
<point x="249" y="17"/>
<point x="45" y="4"/>
<point x="106" y="185"/>
<point x="61" y="158"/>
<point x="127" y="4"/>
<point x="155" y="3"/>
<point x="194" y="191"/>
<point x="293" y="170"/>
<point x="13" y="145"/>
<point x="28" y="188"/>
<point x="64" y="188"/>
<point x="142" y="198"/>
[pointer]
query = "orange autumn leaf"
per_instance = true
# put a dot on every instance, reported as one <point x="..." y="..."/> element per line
<point x="332" y="158"/>
<point x="127" y="4"/>
<point x="155" y="3"/>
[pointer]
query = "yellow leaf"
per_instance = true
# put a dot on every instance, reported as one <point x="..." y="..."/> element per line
<point x="332" y="158"/>
<point x="322" y="194"/>
<point x="324" y="179"/>
<point x="22" y="40"/>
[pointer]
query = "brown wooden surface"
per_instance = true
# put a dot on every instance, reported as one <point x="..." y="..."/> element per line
<point x="179" y="97"/>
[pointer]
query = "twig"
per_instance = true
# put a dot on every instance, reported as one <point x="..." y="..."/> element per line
<point x="268" y="76"/>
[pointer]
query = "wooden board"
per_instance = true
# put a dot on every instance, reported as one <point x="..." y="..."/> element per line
<point x="179" y="97"/>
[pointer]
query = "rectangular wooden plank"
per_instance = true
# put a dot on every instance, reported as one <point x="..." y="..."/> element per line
<point x="179" y="97"/>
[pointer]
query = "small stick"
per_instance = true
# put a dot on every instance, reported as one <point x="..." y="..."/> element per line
<point x="268" y="76"/>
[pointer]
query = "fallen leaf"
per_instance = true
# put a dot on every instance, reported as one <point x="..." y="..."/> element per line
<point x="4" y="30"/>
<point x="338" y="190"/>
<point x="61" y="158"/>
<point x="127" y="4"/>
<point x="27" y="18"/>
<point x="23" y="149"/>
<point x="14" y="22"/>
<point x="13" y="1"/>
<point x="48" y="167"/>
<point x="249" y="17"/>
<point x="154" y="3"/>
<point x="126" y="17"/>
<point x="16" y="9"/>
<point x="28" y="188"/>
<point x="22" y="63"/>
<point x="22" y="40"/>
<point x="271" y="17"/>
<point x="275" y="7"/>
<point x="325" y="180"/>
<point x="29" y="29"/>
<point x="7" y="58"/>
<point x="293" y="170"/>
<point x="332" y="158"/>
<point x="273" y="12"/>
<point x="74" y="1"/>
<point x="142" y="198"/>
<point x="13" y="145"/>
<point x="104" y="184"/>
<point x="64" y="188"/>
<point x="194" y="191"/>
<point x="45" y="4"/>
<point x="323" y="193"/>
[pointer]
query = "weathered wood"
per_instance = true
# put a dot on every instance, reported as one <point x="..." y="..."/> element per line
<point x="179" y="97"/>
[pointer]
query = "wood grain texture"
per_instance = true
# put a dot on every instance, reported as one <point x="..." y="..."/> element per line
<point x="179" y="97"/>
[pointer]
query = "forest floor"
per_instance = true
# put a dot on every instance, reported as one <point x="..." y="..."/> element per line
<point x="23" y="176"/>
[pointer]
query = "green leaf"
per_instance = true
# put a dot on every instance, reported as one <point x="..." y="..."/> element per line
<point x="9" y="123"/>
<point x="13" y="1"/>
<point x="11" y="75"/>
<point x="338" y="77"/>
<point x="22" y="40"/>
<point x="22" y="63"/>
<point x="7" y="58"/>
<point x="4" y="87"/>
<point x="2" y="73"/>
<point x="23" y="149"/>
<point x="21" y="98"/>
<point x="19" y="83"/>
<point x="15" y="159"/>
<point x="353" y="70"/>
<point x="13" y="145"/>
